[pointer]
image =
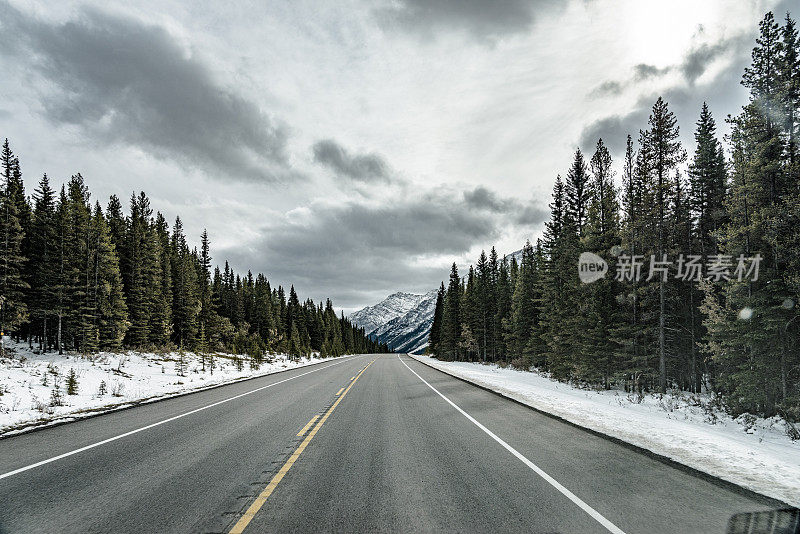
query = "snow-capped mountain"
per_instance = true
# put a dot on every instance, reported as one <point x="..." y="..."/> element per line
<point x="409" y="332"/>
<point x="515" y="255"/>
<point x="394" y="305"/>
<point x="403" y="320"/>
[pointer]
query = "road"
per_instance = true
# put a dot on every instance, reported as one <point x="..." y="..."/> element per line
<point x="394" y="446"/>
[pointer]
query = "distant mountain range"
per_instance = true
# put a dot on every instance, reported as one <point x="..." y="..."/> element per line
<point x="402" y="320"/>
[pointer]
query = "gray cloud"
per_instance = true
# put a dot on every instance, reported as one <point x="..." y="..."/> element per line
<point x="693" y="65"/>
<point x="684" y="97"/>
<point x="531" y="215"/>
<point x="357" y="250"/>
<point x="525" y="214"/>
<point x="483" y="19"/>
<point x="695" y="62"/>
<point x="698" y="59"/>
<point x="614" y="129"/>
<point x="365" y="168"/>
<point x="643" y="71"/>
<point x="122" y="81"/>
<point x="608" y="87"/>
<point x="482" y="198"/>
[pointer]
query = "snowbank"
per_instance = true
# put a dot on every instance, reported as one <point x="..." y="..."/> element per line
<point x="108" y="381"/>
<point x="751" y="452"/>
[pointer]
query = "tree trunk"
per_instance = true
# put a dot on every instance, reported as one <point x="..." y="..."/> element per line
<point x="58" y="341"/>
<point x="662" y="360"/>
<point x="43" y="340"/>
<point x="783" y="374"/>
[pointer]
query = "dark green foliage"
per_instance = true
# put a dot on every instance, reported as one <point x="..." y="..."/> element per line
<point x="451" y="317"/>
<point x="753" y="325"/>
<point x="435" y="336"/>
<point x="524" y="324"/>
<point x="75" y="278"/>
<point x="578" y="191"/>
<point x="43" y="266"/>
<point x="72" y="382"/>
<point x="707" y="184"/>
<point x="739" y="338"/>
<point x="185" y="295"/>
<point x="13" y="305"/>
<point x="111" y="313"/>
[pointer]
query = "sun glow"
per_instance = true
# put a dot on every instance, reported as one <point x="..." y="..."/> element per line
<point x="658" y="33"/>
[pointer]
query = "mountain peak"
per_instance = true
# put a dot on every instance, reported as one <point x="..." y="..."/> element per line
<point x="402" y="320"/>
<point x="395" y="305"/>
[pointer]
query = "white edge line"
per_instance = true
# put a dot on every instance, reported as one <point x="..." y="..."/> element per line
<point x="158" y="423"/>
<point x="597" y="516"/>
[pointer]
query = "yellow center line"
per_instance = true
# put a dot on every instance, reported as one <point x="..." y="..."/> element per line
<point x="240" y="525"/>
<point x="339" y="392"/>
<point x="308" y="425"/>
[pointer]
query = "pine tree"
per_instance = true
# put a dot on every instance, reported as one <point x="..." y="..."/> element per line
<point x="43" y="260"/>
<point x="707" y="180"/>
<point x="470" y="315"/>
<point x="62" y="284"/>
<point x="662" y="150"/>
<point x="116" y="225"/>
<point x="602" y="314"/>
<point x="451" y="318"/>
<point x="78" y="270"/>
<point x="112" y="314"/>
<point x="485" y="305"/>
<point x="435" y="336"/>
<point x="502" y="316"/>
<point x="72" y="382"/>
<point x="524" y="311"/>
<point x="204" y="280"/>
<point x="493" y="297"/>
<point x="185" y="301"/>
<point x="13" y="308"/>
<point x="559" y="306"/>
<point x="578" y="191"/>
<point x="789" y="93"/>
<point x="138" y="258"/>
<point x="160" y="273"/>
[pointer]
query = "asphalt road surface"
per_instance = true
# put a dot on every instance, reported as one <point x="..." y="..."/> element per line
<point x="359" y="444"/>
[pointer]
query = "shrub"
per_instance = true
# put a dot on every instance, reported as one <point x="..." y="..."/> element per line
<point x="72" y="382"/>
<point x="55" y="396"/>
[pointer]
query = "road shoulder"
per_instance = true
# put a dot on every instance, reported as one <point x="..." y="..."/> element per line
<point x="769" y="488"/>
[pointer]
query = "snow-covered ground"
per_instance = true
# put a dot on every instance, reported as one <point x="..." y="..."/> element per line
<point x="108" y="381"/>
<point x="755" y="453"/>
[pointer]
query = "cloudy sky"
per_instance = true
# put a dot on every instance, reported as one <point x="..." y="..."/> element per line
<point x="354" y="148"/>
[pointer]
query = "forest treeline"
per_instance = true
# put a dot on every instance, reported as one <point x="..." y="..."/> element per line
<point x="720" y="331"/>
<point x="76" y="276"/>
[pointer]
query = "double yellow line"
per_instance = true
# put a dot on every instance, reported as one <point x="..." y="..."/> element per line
<point x="264" y="495"/>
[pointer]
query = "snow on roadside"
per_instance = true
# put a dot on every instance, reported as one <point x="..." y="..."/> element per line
<point x="755" y="453"/>
<point x="108" y="381"/>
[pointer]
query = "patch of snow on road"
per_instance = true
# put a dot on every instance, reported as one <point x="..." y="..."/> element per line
<point x="108" y="381"/>
<point x="755" y="453"/>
